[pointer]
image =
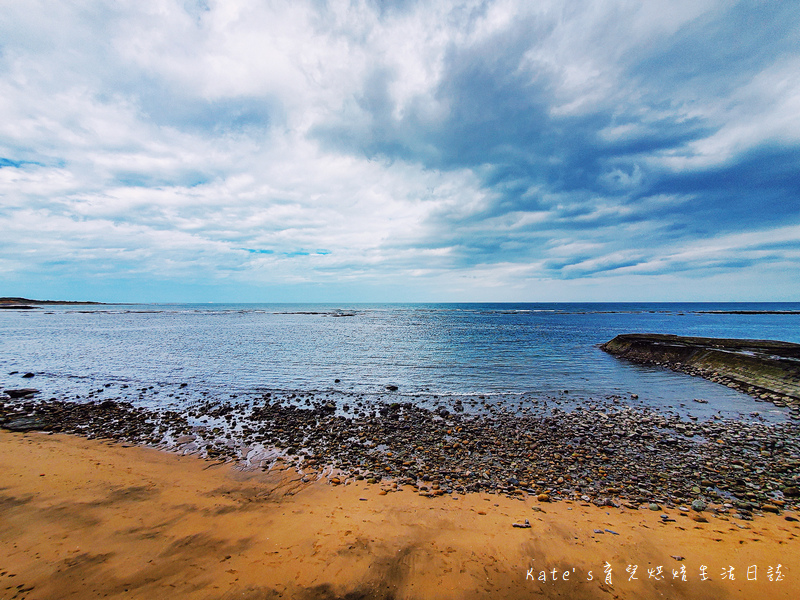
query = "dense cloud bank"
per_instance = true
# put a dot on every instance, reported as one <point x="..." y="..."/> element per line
<point x="400" y="150"/>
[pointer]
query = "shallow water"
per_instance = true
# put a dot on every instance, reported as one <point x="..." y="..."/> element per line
<point x="511" y="353"/>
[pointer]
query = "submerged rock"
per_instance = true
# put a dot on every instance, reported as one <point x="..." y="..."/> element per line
<point x="21" y="393"/>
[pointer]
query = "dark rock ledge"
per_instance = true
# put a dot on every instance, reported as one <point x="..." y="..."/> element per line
<point x="766" y="369"/>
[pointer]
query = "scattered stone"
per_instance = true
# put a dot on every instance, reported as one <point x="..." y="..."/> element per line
<point x="667" y="519"/>
<point x="654" y="507"/>
<point x="525" y="525"/>
<point x="698" y="505"/>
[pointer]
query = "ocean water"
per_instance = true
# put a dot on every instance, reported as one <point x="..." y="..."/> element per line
<point x="508" y="353"/>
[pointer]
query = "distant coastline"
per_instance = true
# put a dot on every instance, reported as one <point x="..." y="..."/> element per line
<point x="689" y="307"/>
<point x="27" y="303"/>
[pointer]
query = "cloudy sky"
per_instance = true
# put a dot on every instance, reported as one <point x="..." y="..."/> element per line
<point x="253" y="150"/>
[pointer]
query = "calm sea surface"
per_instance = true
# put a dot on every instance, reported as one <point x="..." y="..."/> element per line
<point x="503" y="351"/>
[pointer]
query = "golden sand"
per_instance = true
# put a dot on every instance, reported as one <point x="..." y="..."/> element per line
<point x="89" y="519"/>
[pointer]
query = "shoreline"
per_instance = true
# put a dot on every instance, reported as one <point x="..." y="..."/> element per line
<point x="89" y="518"/>
<point x="606" y="454"/>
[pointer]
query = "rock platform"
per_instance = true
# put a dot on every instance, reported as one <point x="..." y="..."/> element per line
<point x="766" y="369"/>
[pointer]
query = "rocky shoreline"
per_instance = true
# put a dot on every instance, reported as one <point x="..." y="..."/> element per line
<point x="606" y="453"/>
<point x="765" y="369"/>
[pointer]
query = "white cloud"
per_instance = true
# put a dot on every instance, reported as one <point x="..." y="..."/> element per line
<point x="765" y="109"/>
<point x="146" y="138"/>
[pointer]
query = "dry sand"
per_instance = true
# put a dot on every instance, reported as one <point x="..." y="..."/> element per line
<point x="89" y="519"/>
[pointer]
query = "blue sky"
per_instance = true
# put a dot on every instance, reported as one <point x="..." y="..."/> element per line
<point x="400" y="151"/>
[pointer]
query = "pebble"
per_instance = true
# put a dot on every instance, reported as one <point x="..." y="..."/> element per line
<point x="525" y="525"/>
<point x="667" y="519"/>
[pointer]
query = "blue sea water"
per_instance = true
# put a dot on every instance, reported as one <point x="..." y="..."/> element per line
<point x="508" y="352"/>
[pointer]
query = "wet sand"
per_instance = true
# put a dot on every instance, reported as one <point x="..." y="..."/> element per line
<point x="90" y="519"/>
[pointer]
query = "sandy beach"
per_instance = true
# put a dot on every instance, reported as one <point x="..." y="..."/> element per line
<point x="92" y="519"/>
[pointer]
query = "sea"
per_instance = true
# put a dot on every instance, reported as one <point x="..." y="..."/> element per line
<point x="171" y="356"/>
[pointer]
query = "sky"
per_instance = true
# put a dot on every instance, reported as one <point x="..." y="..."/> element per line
<point x="332" y="151"/>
